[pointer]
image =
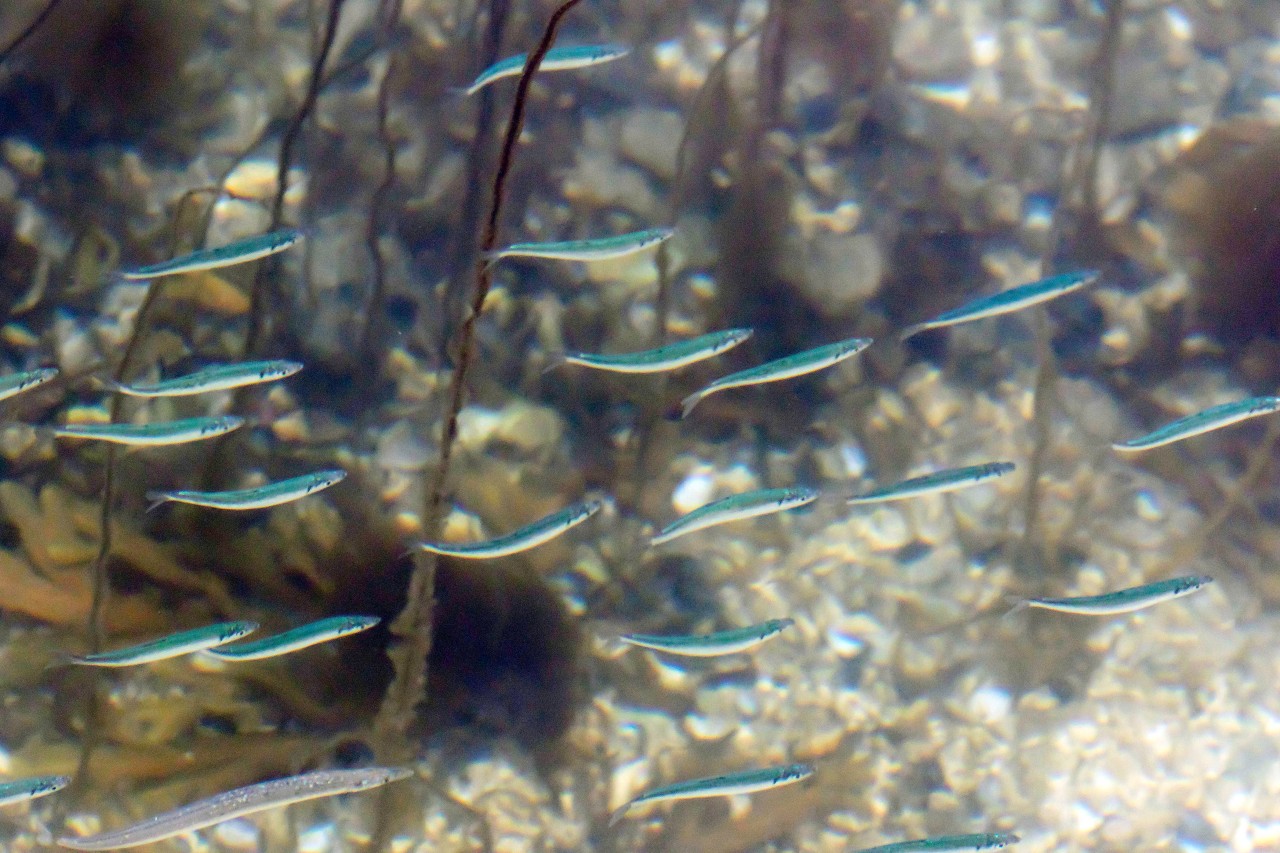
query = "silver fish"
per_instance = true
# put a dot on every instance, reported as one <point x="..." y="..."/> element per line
<point x="556" y="59"/>
<point x="161" y="434"/>
<point x="16" y="383"/>
<point x="531" y="536"/>
<point x="258" y="497"/>
<point x="730" y="784"/>
<point x="239" y="252"/>
<point x="711" y="645"/>
<point x="172" y="646"/>
<point x="596" y="249"/>
<point x="215" y="377"/>
<point x="735" y="508"/>
<point x="1008" y="301"/>
<point x="949" y="480"/>
<point x="1215" y="417"/>
<point x="238" y="802"/>
<point x="661" y="359"/>
<point x="788" y="367"/>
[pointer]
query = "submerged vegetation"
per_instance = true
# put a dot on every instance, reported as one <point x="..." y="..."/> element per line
<point x="735" y="184"/>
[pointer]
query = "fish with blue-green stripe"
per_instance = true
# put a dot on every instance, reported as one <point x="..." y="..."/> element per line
<point x="727" y="642"/>
<point x="950" y="480"/>
<point x="242" y="251"/>
<point x="172" y="646"/>
<point x="659" y="360"/>
<point x="158" y="434"/>
<point x="16" y="383"/>
<point x="586" y="251"/>
<point x="258" y="497"/>
<point x="1215" y="417"/>
<point x="530" y="536"/>
<point x="787" y="367"/>
<point x="23" y="790"/>
<point x="735" y="508"/>
<point x="556" y="59"/>
<point x="728" y="785"/>
<point x="215" y="377"/>
<point x="949" y="844"/>
<point x="1123" y="600"/>
<point x="302" y="637"/>
<point x="1008" y="301"/>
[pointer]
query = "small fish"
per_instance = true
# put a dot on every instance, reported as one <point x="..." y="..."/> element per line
<point x="735" y="508"/>
<point x="172" y="646"/>
<point x="16" y="383"/>
<point x="787" y="367"/>
<point x="238" y="802"/>
<point x="1124" y="600"/>
<point x="1008" y="301"/>
<point x="598" y="249"/>
<point x="556" y="59"/>
<point x="159" y="434"/>
<point x="710" y="645"/>
<point x="215" y="377"/>
<point x="731" y="784"/>
<point x="542" y="530"/>
<point x="259" y="497"/>
<point x="313" y="633"/>
<point x="1215" y="417"/>
<point x="21" y="790"/>
<point x="669" y="357"/>
<point x="949" y="844"/>
<point x="949" y="480"/>
<point x="242" y="251"/>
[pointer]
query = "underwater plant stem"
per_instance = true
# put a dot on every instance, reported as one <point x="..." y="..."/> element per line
<point x="262" y="278"/>
<point x="463" y="251"/>
<point x="374" y="308"/>
<point x="414" y="625"/>
<point x="22" y="37"/>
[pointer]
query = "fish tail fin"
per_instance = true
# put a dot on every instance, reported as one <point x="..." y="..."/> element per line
<point x="60" y="659"/>
<point x="618" y="814"/>
<point x="1016" y="605"/>
<point x="157" y="498"/>
<point x="459" y="91"/>
<point x="687" y="404"/>
<point x="911" y="331"/>
<point x="490" y="257"/>
<point x="555" y="359"/>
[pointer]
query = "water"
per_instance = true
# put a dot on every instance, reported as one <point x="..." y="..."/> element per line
<point x="832" y="170"/>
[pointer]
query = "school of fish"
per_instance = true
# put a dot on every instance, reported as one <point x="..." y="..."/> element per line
<point x="218" y="642"/>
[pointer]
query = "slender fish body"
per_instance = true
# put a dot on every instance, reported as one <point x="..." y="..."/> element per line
<point x="1124" y="600"/>
<point x="735" y="508"/>
<point x="531" y="536"/>
<point x="304" y="636"/>
<point x="744" y="782"/>
<point x="216" y="377"/>
<point x="556" y="59"/>
<point x="259" y="497"/>
<point x="669" y="357"/>
<point x="586" y="251"/>
<point x="16" y="383"/>
<point x="236" y="803"/>
<point x="1215" y="417"/>
<point x="1008" y="301"/>
<point x="949" y="844"/>
<point x="788" y="367"/>
<point x="242" y="251"/>
<point x="159" y="434"/>
<point x="712" y="645"/>
<point x="22" y="790"/>
<point x="949" y="480"/>
<point x="172" y="646"/>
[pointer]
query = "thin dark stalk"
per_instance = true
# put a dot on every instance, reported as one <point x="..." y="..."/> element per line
<point x="374" y="307"/>
<point x="1084" y="169"/>
<point x="31" y="29"/>
<point x="414" y="624"/>
<point x="261" y="282"/>
<point x="463" y="251"/>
